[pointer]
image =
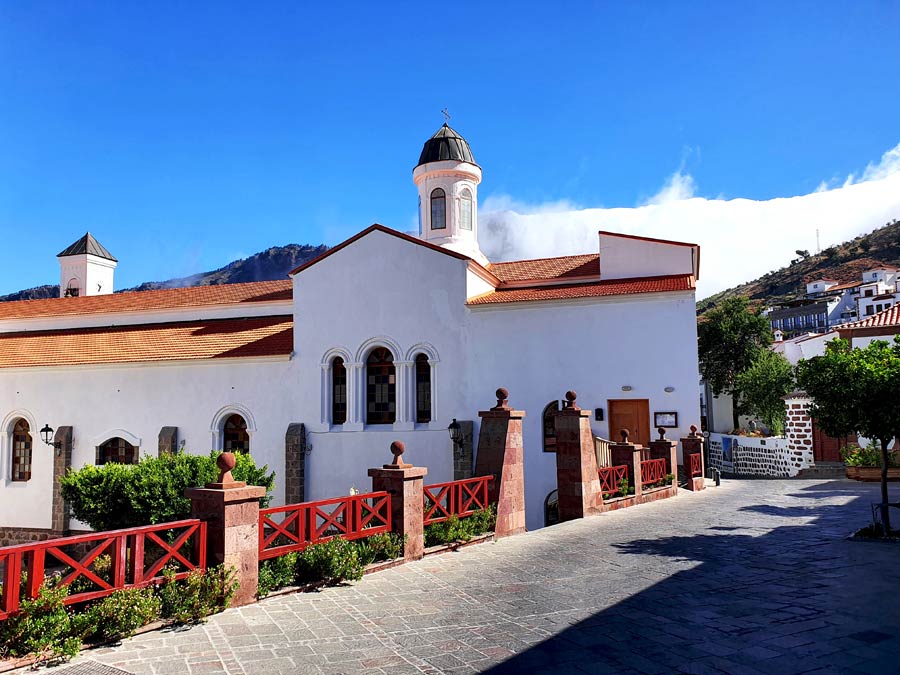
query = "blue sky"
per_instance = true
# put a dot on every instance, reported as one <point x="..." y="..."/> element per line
<point x="184" y="135"/>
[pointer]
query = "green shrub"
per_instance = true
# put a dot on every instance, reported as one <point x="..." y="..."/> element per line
<point x="198" y="595"/>
<point x="277" y="573"/>
<point x="43" y="626"/>
<point x="455" y="529"/>
<point x="378" y="547"/>
<point x="333" y="561"/>
<point x="115" y="496"/>
<point x="870" y="456"/>
<point x="118" y="616"/>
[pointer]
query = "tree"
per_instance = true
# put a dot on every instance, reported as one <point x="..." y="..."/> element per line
<point x="855" y="390"/>
<point x="730" y="336"/>
<point x="762" y="386"/>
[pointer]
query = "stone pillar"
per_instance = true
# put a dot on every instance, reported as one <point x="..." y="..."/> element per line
<point x="404" y="482"/>
<point x="500" y="454"/>
<point x="628" y="454"/>
<point x="462" y="464"/>
<point x="231" y="511"/>
<point x="798" y="429"/>
<point x="62" y="460"/>
<point x="692" y="444"/>
<point x="663" y="448"/>
<point x="577" y="480"/>
<point x="295" y="453"/>
<point x="167" y="443"/>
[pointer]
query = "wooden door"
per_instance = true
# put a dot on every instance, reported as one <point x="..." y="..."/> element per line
<point x="827" y="448"/>
<point x="631" y="414"/>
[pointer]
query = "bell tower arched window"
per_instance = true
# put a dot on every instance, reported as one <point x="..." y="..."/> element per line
<point x="117" y="450"/>
<point x="338" y="391"/>
<point x="235" y="436"/>
<point x="438" y="209"/>
<point x="381" y="387"/>
<point x="21" y="451"/>
<point x="423" y="389"/>
<point x="465" y="210"/>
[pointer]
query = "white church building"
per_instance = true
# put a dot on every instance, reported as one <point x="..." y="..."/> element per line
<point x="384" y="337"/>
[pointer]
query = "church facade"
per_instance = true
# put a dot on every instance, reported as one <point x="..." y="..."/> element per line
<point x="385" y="337"/>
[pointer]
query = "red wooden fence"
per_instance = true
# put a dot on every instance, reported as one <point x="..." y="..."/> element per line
<point x="610" y="477"/>
<point x="653" y="471"/>
<point x="283" y="529"/>
<point x="138" y="556"/>
<point x="696" y="467"/>
<point x="459" y="498"/>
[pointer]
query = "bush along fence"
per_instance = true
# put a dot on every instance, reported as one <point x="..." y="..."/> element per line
<point x="635" y="474"/>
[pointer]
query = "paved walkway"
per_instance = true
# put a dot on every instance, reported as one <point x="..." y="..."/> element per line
<point x="752" y="577"/>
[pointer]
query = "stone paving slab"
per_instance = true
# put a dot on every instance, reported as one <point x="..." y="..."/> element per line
<point x="752" y="577"/>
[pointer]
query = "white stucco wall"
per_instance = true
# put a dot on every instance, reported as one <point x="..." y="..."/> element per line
<point x="625" y="257"/>
<point x="140" y="399"/>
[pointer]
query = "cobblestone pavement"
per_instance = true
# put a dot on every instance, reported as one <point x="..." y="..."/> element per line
<point x="752" y="577"/>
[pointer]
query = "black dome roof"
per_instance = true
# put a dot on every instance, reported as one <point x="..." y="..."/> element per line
<point x="446" y="144"/>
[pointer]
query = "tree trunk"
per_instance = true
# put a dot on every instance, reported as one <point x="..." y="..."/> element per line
<point x="885" y="509"/>
<point x="735" y="413"/>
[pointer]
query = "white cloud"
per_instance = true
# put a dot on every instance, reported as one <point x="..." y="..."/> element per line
<point x="741" y="239"/>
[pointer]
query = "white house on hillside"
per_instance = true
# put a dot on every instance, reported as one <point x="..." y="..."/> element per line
<point x="386" y="336"/>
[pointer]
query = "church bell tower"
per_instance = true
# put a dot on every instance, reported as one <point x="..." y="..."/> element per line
<point x="85" y="268"/>
<point x="447" y="178"/>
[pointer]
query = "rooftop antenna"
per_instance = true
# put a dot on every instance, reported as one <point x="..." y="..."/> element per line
<point x="818" y="246"/>
<point x="446" y="115"/>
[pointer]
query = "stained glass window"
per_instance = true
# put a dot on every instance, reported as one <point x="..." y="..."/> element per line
<point x="236" y="438"/>
<point x="381" y="387"/>
<point x="117" y="450"/>
<point x="338" y="391"/>
<point x="438" y="209"/>
<point x="21" y="452"/>
<point x="423" y="389"/>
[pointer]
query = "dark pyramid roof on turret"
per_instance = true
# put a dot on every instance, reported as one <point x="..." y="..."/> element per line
<point x="87" y="244"/>
<point x="446" y="144"/>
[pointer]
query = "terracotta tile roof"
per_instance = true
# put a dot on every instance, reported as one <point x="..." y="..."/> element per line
<point x="676" y="282"/>
<point x="135" y="301"/>
<point x="841" y="287"/>
<point x="547" y="268"/>
<point x="213" y="339"/>
<point x="884" y="318"/>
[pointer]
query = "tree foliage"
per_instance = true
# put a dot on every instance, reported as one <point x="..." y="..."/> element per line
<point x="855" y="390"/>
<point x="114" y="496"/>
<point x="731" y="336"/>
<point x="762" y="386"/>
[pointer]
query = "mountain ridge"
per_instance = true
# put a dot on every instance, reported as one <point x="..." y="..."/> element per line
<point x="268" y="265"/>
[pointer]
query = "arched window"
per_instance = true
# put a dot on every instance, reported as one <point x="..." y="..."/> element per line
<point x="338" y="391"/>
<point x="21" y="451"/>
<point x="235" y="436"/>
<point x="117" y="450"/>
<point x="465" y="210"/>
<point x="381" y="387"/>
<point x="423" y="389"/>
<point x="438" y="209"/>
<point x="549" y="422"/>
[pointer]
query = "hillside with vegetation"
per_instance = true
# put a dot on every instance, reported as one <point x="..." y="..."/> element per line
<point x="269" y="265"/>
<point x="844" y="263"/>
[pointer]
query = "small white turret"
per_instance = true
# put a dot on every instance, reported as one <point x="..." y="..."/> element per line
<point x="448" y="177"/>
<point x="85" y="268"/>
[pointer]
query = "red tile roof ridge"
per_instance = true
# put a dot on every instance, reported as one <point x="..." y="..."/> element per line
<point x="599" y="288"/>
<point x="553" y="257"/>
<point x="885" y="318"/>
<point x="161" y="298"/>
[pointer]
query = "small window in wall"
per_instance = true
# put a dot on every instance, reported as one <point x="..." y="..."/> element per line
<point x="438" y="209"/>
<point x="869" y="292"/>
<point x="118" y="451"/>
<point x="235" y="436"/>
<point x="423" y="389"/>
<point x="465" y="210"/>
<point x="381" y="387"/>
<point x="21" y="451"/>
<point x="549" y="422"/>
<point x="870" y="310"/>
<point x="338" y="391"/>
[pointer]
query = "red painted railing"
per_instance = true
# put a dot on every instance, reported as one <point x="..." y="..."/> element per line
<point x="653" y="471"/>
<point x="610" y="477"/>
<point x="696" y="464"/>
<point x="459" y="498"/>
<point x="283" y="529"/>
<point x="138" y="556"/>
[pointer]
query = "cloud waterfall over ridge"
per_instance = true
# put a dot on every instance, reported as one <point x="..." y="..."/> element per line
<point x="741" y="239"/>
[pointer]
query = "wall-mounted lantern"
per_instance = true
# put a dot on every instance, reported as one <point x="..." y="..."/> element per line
<point x="456" y="435"/>
<point x="47" y="437"/>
